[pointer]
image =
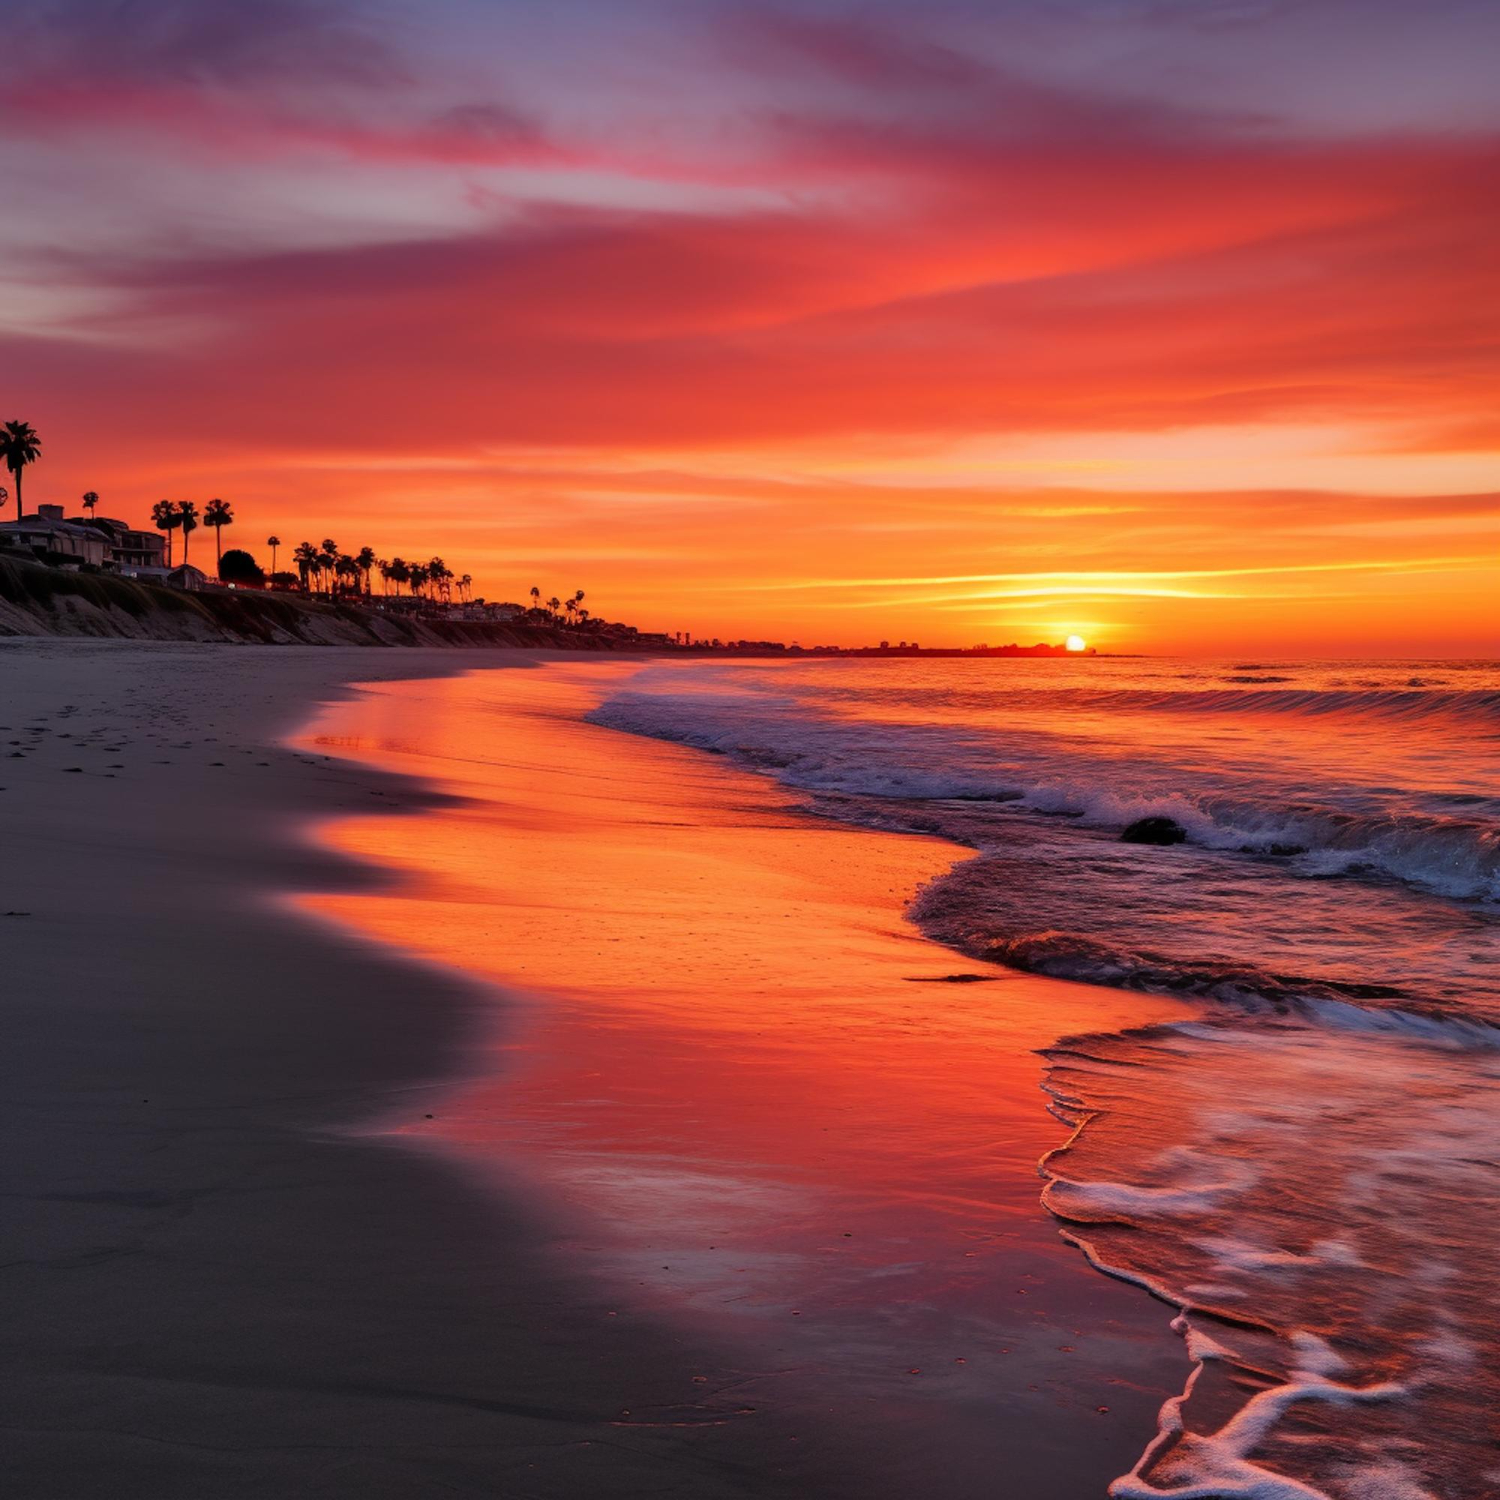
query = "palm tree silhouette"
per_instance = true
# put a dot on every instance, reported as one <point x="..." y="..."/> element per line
<point x="417" y="576"/>
<point x="218" y="514"/>
<point x="364" y="560"/>
<point x="347" y="568"/>
<point x="553" y="605"/>
<point x="90" y="500"/>
<point x="400" y="573"/>
<point x="273" y="542"/>
<point x="466" y="588"/>
<point x="187" y="518"/>
<point x="166" y="518"/>
<point x="19" y="446"/>
<point x="383" y="567"/>
<point x="308" y="560"/>
<point x="536" y="597"/>
<point x="329" y="559"/>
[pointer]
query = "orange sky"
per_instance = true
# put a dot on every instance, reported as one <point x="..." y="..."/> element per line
<point x="1173" y="325"/>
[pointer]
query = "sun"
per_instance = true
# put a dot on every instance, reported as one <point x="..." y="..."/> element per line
<point x="1076" y="643"/>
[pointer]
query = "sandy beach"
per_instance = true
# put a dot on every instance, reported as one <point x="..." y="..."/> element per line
<point x="357" y="1087"/>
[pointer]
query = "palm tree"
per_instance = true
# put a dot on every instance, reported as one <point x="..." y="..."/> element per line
<point x="383" y="567"/>
<point x="273" y="542"/>
<point x="347" y="568"/>
<point x="19" y="446"/>
<point x="166" y="518"/>
<point x="466" y="588"/>
<point x="400" y="573"/>
<point x="90" y="500"/>
<point x="536" y="597"/>
<point x="571" y="605"/>
<point x="329" y="560"/>
<point x="218" y="514"/>
<point x="417" y="575"/>
<point x="187" y="514"/>
<point x="365" y="561"/>
<point x="553" y="605"/>
<point x="308" y="560"/>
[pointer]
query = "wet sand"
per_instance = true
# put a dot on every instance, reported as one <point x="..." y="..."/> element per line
<point x="241" y="1261"/>
<point x="756" y="1100"/>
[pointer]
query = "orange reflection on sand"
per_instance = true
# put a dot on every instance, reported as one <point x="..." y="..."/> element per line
<point x="727" y="1056"/>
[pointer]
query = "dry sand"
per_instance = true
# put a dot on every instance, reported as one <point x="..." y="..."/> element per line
<point x="226" y="1276"/>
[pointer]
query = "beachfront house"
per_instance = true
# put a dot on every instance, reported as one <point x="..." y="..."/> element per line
<point x="183" y="576"/>
<point x="45" y="536"/>
<point x="128" y="548"/>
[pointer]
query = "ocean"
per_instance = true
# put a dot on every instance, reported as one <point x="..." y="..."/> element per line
<point x="1307" y="1168"/>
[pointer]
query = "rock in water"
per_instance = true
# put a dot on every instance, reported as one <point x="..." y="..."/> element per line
<point x="1155" y="830"/>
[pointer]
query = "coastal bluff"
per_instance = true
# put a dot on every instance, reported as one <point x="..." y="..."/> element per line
<point x="40" y="601"/>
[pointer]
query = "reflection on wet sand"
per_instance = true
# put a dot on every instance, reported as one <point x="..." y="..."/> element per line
<point x="746" y="1087"/>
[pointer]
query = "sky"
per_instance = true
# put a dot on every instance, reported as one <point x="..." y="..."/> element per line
<point x="1171" y="323"/>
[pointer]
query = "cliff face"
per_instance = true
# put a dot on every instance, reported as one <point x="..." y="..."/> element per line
<point x="37" y="600"/>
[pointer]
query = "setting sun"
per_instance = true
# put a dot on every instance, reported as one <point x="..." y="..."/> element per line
<point x="1076" y="643"/>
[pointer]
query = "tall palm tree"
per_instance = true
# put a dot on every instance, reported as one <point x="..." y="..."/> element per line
<point x="383" y="567"/>
<point x="330" y="559"/>
<point x="90" y="500"/>
<point x="187" y="514"/>
<point x="536" y="597"/>
<point x="553" y="605"/>
<point x="166" y="518"/>
<point x="416" y="577"/>
<point x="273" y="542"/>
<point x="466" y="588"/>
<point x="218" y="514"/>
<point x="571" y="605"/>
<point x="400" y="573"/>
<point x="306" y="556"/>
<point x="347" y="568"/>
<point x="19" y="446"/>
<point x="364" y="560"/>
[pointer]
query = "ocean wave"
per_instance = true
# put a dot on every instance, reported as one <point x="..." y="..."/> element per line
<point x="1241" y="989"/>
<point x="1264" y="695"/>
<point x="1255" y="911"/>
<point x="1307" y="1210"/>
<point x="1452" y="855"/>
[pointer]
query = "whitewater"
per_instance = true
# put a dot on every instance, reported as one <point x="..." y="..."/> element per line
<point x="1309" y="1172"/>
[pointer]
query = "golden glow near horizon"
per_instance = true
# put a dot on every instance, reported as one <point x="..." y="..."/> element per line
<point x="1076" y="643"/>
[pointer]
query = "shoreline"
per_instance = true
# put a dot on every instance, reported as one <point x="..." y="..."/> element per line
<point x="218" y="1286"/>
<point x="955" y="1238"/>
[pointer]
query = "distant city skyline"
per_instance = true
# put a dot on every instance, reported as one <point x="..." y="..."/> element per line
<point x="1172" y="325"/>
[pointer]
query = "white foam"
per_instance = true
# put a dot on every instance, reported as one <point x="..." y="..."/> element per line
<point x="1217" y="1466"/>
